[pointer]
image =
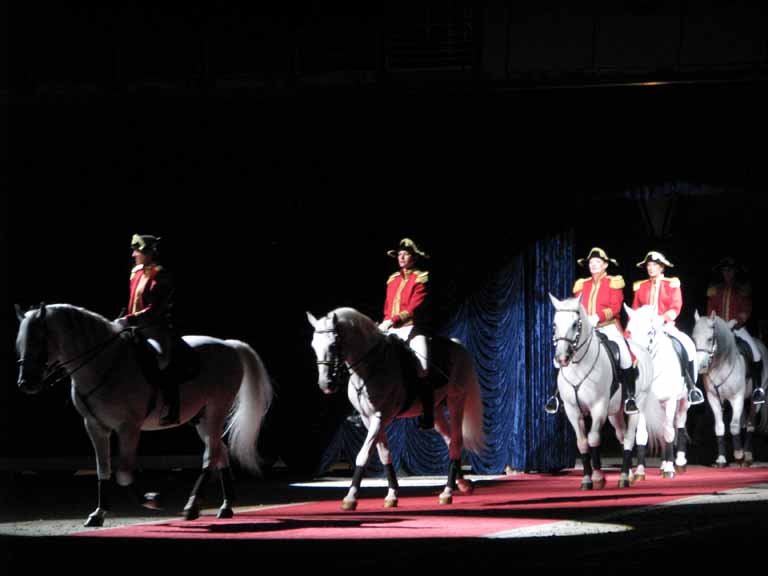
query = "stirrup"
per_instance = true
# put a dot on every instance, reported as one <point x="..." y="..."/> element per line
<point x="758" y="396"/>
<point x="552" y="405"/>
<point x="630" y="407"/>
<point x="695" y="396"/>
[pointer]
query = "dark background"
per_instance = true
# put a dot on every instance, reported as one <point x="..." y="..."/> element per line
<point x="280" y="152"/>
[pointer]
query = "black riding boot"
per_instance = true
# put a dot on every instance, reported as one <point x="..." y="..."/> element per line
<point x="628" y="376"/>
<point x="758" y="393"/>
<point x="427" y="419"/>
<point x="170" y="391"/>
<point x="695" y="396"/>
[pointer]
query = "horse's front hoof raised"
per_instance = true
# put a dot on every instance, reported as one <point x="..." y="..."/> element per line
<point x="349" y="504"/>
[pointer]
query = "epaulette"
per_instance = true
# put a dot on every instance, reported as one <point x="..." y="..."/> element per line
<point x="578" y="286"/>
<point x="617" y="282"/>
<point x="395" y="275"/>
<point x="636" y="285"/>
<point x="421" y="277"/>
<point x="673" y="282"/>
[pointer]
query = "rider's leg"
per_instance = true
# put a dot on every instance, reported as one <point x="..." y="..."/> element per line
<point x="758" y="392"/>
<point x="688" y="369"/>
<point x="627" y="373"/>
<point x="420" y="345"/>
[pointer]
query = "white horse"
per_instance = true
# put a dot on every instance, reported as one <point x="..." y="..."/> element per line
<point x="647" y="330"/>
<point x="727" y="378"/>
<point x="344" y="340"/>
<point x="584" y="382"/>
<point x="112" y="394"/>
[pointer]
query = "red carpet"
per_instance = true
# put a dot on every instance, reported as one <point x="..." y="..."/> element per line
<point x="496" y="505"/>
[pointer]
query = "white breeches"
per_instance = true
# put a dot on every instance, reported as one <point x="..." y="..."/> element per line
<point x="418" y="344"/>
<point x="690" y="347"/>
<point x="747" y="337"/>
<point x="613" y="334"/>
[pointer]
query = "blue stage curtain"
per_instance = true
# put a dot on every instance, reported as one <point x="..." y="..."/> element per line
<point x="507" y="328"/>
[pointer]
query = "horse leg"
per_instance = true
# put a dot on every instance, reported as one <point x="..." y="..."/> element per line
<point x="681" y="460"/>
<point x="100" y="440"/>
<point x="576" y="419"/>
<point x="717" y="412"/>
<point x="454" y="441"/>
<point x="215" y="458"/>
<point x="192" y="508"/>
<point x="628" y="444"/>
<point x="374" y="427"/>
<point x="385" y="455"/>
<point x="748" y="433"/>
<point x="667" y="467"/>
<point x="641" y="441"/>
<point x="128" y="438"/>
<point x="594" y="449"/>
<point x="736" y="424"/>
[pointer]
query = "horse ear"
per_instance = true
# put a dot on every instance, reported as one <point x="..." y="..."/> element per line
<point x="696" y="315"/>
<point x="312" y="320"/>
<point x="732" y="322"/>
<point x="42" y="310"/>
<point x="555" y="302"/>
<point x="712" y="315"/>
<point x="335" y="320"/>
<point x="19" y="313"/>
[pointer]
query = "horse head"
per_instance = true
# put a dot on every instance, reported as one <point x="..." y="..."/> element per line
<point x="32" y="348"/>
<point x="644" y="325"/>
<point x="327" y="344"/>
<point x="570" y="329"/>
<point x="708" y="331"/>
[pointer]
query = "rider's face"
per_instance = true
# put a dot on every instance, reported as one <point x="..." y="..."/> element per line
<point x="654" y="269"/>
<point x="597" y="266"/>
<point x="405" y="259"/>
<point x="140" y="258"/>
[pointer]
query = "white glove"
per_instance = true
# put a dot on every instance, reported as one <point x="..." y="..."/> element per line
<point x="593" y="319"/>
<point x="385" y="325"/>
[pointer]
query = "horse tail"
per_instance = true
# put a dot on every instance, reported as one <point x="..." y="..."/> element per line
<point x="647" y="401"/>
<point x="249" y="409"/>
<point x="472" y="432"/>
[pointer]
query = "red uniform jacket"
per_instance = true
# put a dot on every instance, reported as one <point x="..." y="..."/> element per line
<point x="605" y="299"/>
<point x="406" y="292"/>
<point x="665" y="295"/>
<point x="730" y="302"/>
<point x="150" y="295"/>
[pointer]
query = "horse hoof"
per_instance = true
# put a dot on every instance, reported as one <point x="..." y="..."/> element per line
<point x="624" y="483"/>
<point x="640" y="476"/>
<point x="599" y="484"/>
<point x="349" y="504"/>
<point x="586" y="484"/>
<point x="668" y="475"/>
<point x="225" y="513"/>
<point x="390" y="503"/>
<point x="191" y="512"/>
<point x="465" y="486"/>
<point x="445" y="499"/>
<point x="681" y="469"/>
<point x="96" y="519"/>
<point x="153" y="501"/>
<point x="721" y="464"/>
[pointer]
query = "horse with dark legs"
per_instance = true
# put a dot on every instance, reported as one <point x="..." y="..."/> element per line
<point x="346" y="341"/>
<point x="727" y="378"/>
<point x="584" y="381"/>
<point x="647" y="331"/>
<point x="111" y="392"/>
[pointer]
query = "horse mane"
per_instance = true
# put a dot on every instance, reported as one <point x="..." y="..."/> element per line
<point x="726" y="341"/>
<point x="92" y="327"/>
<point x="356" y="320"/>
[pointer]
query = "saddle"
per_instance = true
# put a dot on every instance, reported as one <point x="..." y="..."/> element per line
<point x="184" y="364"/>
<point x="409" y="366"/>
<point x="613" y="354"/>
<point x="745" y="349"/>
<point x="682" y="356"/>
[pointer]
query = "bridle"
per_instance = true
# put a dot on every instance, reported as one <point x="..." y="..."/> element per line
<point x="573" y="343"/>
<point x="338" y="372"/>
